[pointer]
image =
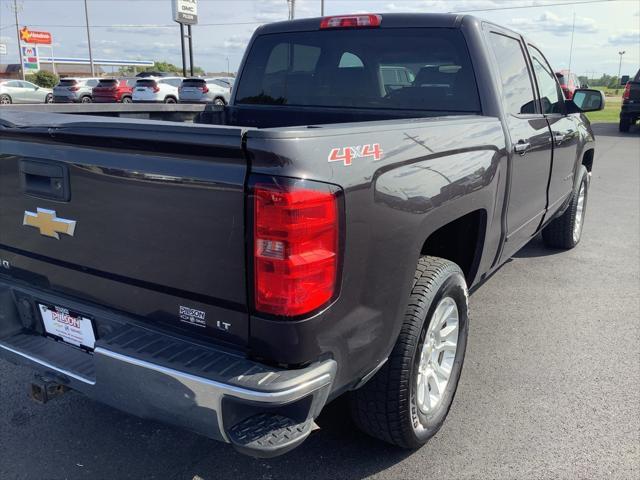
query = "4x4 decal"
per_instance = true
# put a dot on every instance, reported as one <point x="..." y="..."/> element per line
<point x="348" y="154"/>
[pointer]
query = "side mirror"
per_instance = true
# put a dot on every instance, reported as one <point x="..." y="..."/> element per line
<point x="586" y="100"/>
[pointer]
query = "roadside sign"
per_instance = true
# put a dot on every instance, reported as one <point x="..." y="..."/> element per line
<point x="30" y="59"/>
<point x="32" y="36"/>
<point x="3" y="49"/>
<point x="185" y="11"/>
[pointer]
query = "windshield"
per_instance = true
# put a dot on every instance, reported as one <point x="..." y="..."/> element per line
<point x="404" y="68"/>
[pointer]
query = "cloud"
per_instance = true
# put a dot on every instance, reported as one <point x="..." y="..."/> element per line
<point x="152" y="31"/>
<point x="236" y="42"/>
<point x="552" y="23"/>
<point x="625" y="37"/>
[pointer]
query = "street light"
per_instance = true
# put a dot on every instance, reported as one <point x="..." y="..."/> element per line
<point x="620" y="64"/>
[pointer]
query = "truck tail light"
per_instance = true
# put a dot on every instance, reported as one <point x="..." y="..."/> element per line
<point x="351" y="21"/>
<point x="295" y="248"/>
<point x="627" y="91"/>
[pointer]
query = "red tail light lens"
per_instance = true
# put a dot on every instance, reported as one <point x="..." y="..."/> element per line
<point x="295" y="249"/>
<point x="74" y="88"/>
<point x="351" y="21"/>
<point x="627" y="91"/>
<point x="205" y="89"/>
<point x="156" y="89"/>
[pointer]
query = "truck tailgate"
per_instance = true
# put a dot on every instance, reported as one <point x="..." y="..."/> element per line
<point x="141" y="216"/>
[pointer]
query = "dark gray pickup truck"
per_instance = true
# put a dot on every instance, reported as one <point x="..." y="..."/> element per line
<point x="231" y="270"/>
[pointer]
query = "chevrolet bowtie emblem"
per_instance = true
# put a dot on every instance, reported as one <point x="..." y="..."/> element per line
<point x="48" y="224"/>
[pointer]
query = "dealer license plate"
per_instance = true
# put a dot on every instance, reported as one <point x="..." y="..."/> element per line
<point x="71" y="327"/>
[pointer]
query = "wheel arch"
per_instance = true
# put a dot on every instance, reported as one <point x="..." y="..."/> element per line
<point x="460" y="240"/>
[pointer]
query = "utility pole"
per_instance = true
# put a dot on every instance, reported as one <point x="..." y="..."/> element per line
<point x="620" y="63"/>
<point x="573" y="29"/>
<point x="86" y="17"/>
<point x="15" y="11"/>
<point x="322" y="8"/>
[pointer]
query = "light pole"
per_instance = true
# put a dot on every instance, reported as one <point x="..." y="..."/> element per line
<point x="292" y="9"/>
<point x="322" y="8"/>
<point x="620" y="63"/>
<point x="86" y="17"/>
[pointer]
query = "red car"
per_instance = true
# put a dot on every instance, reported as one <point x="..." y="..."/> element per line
<point x="568" y="82"/>
<point x="114" y="90"/>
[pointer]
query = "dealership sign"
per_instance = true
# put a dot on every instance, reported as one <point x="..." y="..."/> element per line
<point x="185" y="11"/>
<point x="30" y="60"/>
<point x="31" y="36"/>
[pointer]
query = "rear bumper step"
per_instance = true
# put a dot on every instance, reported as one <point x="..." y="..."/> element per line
<point x="262" y="411"/>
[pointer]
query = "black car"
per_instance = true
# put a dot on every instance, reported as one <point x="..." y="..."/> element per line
<point x="630" y="112"/>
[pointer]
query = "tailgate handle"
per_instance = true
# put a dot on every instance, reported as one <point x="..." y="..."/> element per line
<point x="45" y="179"/>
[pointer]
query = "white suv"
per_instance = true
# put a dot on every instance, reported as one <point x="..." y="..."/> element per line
<point x="158" y="90"/>
<point x="74" y="90"/>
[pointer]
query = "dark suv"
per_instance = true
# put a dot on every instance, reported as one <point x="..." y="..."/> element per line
<point x="630" y="112"/>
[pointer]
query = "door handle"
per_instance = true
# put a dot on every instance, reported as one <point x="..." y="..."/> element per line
<point x="559" y="138"/>
<point x="521" y="147"/>
<point x="45" y="179"/>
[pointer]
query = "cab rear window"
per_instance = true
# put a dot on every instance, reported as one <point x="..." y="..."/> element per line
<point x="404" y="68"/>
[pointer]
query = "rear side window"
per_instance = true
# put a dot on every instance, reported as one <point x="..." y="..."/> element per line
<point x="409" y="69"/>
<point x="514" y="73"/>
<point x="221" y="83"/>
<point x="550" y="97"/>
<point x="174" y="82"/>
<point x="92" y="83"/>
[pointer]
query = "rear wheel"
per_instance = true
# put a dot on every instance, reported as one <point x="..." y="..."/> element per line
<point x="566" y="230"/>
<point x="86" y="99"/>
<point x="406" y="402"/>
<point x="48" y="98"/>
<point x="219" y="101"/>
<point x="127" y="100"/>
<point x="624" y="125"/>
<point x="170" y="100"/>
<point x="5" y="99"/>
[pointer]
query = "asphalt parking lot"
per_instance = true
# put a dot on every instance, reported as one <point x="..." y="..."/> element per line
<point x="550" y="386"/>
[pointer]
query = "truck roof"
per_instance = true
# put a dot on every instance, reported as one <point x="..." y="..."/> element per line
<point x="389" y="20"/>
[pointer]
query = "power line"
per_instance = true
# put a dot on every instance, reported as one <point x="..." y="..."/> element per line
<point x="542" y="5"/>
<point x="168" y="25"/>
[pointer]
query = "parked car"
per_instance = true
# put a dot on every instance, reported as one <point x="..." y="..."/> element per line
<point x="630" y="111"/>
<point x="205" y="90"/>
<point x="315" y="237"/>
<point x="74" y="90"/>
<point x="157" y="90"/>
<point x="568" y="82"/>
<point x="20" y="91"/>
<point x="154" y="74"/>
<point x="114" y="90"/>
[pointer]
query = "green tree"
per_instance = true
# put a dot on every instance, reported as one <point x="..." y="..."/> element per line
<point x="160" y="67"/>
<point x="43" y="79"/>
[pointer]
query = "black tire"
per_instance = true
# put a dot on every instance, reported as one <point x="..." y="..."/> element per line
<point x="386" y="406"/>
<point x="170" y="100"/>
<point x="219" y="101"/>
<point x="5" y="100"/>
<point x="86" y="99"/>
<point x="48" y="98"/>
<point x="127" y="100"/>
<point x="560" y="232"/>
<point x="624" y="125"/>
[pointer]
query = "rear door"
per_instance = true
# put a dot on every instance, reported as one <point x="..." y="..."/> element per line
<point x="157" y="216"/>
<point x="530" y="137"/>
<point x="564" y="130"/>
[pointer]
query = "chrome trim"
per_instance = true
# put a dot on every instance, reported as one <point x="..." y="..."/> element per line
<point x="283" y="396"/>
<point x="48" y="365"/>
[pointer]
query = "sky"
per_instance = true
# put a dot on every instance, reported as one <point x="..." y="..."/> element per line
<point x="143" y="29"/>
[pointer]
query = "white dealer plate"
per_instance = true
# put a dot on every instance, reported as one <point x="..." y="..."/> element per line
<point x="69" y="326"/>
